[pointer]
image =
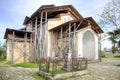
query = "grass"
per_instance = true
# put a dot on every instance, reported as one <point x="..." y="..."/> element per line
<point x="38" y="77"/>
<point x="57" y="71"/>
<point x="117" y="55"/>
<point x="35" y="65"/>
<point x="60" y="79"/>
<point x="118" y="65"/>
<point x="2" y="60"/>
<point x="111" y="57"/>
<point x="26" y="65"/>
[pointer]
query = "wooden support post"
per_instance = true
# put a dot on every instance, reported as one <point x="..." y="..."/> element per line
<point x="61" y="42"/>
<point x="31" y="25"/>
<point x="25" y="47"/>
<point x="13" y="37"/>
<point x="31" y="49"/>
<point x="41" y="36"/>
<point x="69" y="41"/>
<point x="52" y="43"/>
<point x="69" y="53"/>
<point x="35" y="39"/>
<point x="40" y="42"/>
<point x="46" y="29"/>
<point x="46" y="17"/>
<point x="74" y="39"/>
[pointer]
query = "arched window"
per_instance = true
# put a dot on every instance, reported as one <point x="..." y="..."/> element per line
<point x="88" y="45"/>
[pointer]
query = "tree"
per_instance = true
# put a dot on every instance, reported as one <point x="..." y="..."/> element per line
<point x="113" y="49"/>
<point x="3" y="50"/>
<point x="110" y="16"/>
<point x="114" y="38"/>
<point x="110" y="20"/>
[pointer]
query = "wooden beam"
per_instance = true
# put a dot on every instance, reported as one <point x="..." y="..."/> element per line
<point x="25" y="47"/>
<point x="35" y="39"/>
<point x="31" y="25"/>
<point x="41" y="36"/>
<point x="69" y="40"/>
<point x="79" y="24"/>
<point x="46" y="34"/>
<point x="70" y="47"/>
<point x="74" y="40"/>
<point x="40" y="42"/>
<point x="31" y="49"/>
<point x="61" y="42"/>
<point x="13" y="35"/>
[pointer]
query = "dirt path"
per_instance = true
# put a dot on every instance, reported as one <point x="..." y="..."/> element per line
<point x="106" y="70"/>
<point x="16" y="73"/>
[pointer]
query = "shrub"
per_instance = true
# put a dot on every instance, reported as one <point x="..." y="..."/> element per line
<point x="3" y="51"/>
<point x="103" y="55"/>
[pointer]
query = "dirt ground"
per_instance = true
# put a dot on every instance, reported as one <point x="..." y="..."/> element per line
<point x="105" y="70"/>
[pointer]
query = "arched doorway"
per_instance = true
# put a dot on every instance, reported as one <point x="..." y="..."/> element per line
<point x="88" y="45"/>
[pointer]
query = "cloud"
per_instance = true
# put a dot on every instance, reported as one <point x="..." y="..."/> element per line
<point x="13" y="12"/>
<point x="27" y="7"/>
<point x="91" y="8"/>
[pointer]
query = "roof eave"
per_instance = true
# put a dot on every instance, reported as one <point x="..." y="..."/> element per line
<point x="56" y="8"/>
<point x="88" y="18"/>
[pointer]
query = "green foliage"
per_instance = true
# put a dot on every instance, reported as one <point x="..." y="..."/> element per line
<point x="110" y="20"/>
<point x="60" y="79"/>
<point x="37" y="76"/>
<point x="26" y="65"/>
<point x="3" y="51"/>
<point x="103" y="55"/>
<point x="113" y="49"/>
<point x="58" y="71"/>
<point x="111" y="57"/>
<point x="118" y="65"/>
<point x="2" y="60"/>
<point x="117" y="55"/>
<point x="114" y="36"/>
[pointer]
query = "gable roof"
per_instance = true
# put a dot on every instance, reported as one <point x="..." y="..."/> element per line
<point x="47" y="6"/>
<point x="52" y="9"/>
<point x="84" y="23"/>
<point x="26" y="19"/>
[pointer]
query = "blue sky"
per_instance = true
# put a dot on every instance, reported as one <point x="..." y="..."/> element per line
<point x="13" y="12"/>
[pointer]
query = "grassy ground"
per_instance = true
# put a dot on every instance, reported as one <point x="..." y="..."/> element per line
<point x="38" y="77"/>
<point x="111" y="57"/>
<point x="2" y="60"/>
<point x="26" y="65"/>
<point x="118" y="65"/>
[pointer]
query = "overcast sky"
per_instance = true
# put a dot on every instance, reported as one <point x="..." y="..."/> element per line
<point x="13" y="12"/>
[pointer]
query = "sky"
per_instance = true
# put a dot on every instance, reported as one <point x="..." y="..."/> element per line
<point x="13" y="12"/>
